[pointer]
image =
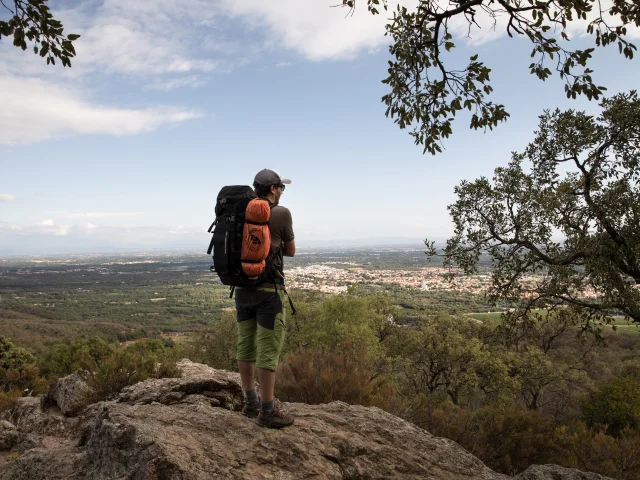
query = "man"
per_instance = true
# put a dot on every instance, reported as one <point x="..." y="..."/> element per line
<point x="261" y="312"/>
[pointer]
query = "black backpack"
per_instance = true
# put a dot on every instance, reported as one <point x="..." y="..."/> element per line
<point x="226" y="243"/>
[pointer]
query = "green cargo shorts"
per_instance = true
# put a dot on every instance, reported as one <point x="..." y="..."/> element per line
<point x="261" y="325"/>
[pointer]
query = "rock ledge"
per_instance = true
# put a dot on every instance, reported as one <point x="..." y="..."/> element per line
<point x="191" y="428"/>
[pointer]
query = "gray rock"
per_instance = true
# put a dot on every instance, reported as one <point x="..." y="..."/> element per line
<point x="190" y="428"/>
<point x="28" y="416"/>
<point x="216" y="387"/>
<point x="555" y="472"/>
<point x="53" y="462"/>
<point x="9" y="435"/>
<point x="70" y="393"/>
<point x="334" y="441"/>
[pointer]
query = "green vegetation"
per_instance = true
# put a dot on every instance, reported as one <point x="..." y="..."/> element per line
<point x="115" y="298"/>
<point x="537" y="390"/>
<point x="513" y="389"/>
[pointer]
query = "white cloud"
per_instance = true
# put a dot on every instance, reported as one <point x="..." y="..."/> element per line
<point x="578" y="27"/>
<point x="87" y="237"/>
<point x="173" y="83"/>
<point x="35" y="110"/>
<point x="312" y="27"/>
<point x="44" y="228"/>
<point x="284" y="64"/>
<point x="322" y="33"/>
<point x="141" y="37"/>
<point x="60" y="214"/>
<point x="7" y="197"/>
<point x="48" y="222"/>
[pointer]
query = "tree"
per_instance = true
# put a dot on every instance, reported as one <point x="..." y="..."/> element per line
<point x="583" y="186"/>
<point x="31" y="20"/>
<point x="439" y="357"/>
<point x="615" y="405"/>
<point x="426" y="93"/>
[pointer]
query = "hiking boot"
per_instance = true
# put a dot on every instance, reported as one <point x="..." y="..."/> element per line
<point x="276" y="419"/>
<point x="251" y="410"/>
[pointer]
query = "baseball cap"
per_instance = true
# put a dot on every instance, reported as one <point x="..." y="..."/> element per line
<point x="268" y="177"/>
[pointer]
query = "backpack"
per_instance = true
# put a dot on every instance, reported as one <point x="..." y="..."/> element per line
<point x="240" y="245"/>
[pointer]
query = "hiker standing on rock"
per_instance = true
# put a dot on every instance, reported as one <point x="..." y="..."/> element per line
<point x="261" y="314"/>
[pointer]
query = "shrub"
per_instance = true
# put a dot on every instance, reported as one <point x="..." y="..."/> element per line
<point x="317" y="376"/>
<point x="593" y="450"/>
<point x="13" y="357"/>
<point x="127" y="366"/>
<point x="19" y="376"/>
<point x="64" y="359"/>
<point x="216" y="347"/>
<point x="615" y="406"/>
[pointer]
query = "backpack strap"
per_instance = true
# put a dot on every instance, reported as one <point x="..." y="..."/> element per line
<point x="293" y="309"/>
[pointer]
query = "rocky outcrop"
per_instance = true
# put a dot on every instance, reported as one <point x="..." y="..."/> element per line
<point x="190" y="428"/>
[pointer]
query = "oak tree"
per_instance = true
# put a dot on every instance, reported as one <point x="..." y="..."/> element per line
<point x="566" y="209"/>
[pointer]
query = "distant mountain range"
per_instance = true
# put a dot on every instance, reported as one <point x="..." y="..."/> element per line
<point x="64" y="245"/>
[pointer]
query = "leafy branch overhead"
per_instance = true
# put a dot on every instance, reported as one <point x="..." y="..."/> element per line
<point x="426" y="94"/>
<point x="32" y="21"/>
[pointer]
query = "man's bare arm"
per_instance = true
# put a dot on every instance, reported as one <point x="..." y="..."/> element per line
<point x="289" y="249"/>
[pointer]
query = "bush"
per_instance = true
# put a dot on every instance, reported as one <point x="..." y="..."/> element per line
<point x="354" y="320"/>
<point x="593" y="450"/>
<point x="127" y="366"/>
<point x="64" y="359"/>
<point x="13" y="357"/>
<point x="314" y="376"/>
<point x="615" y="406"/>
<point x="507" y="439"/>
<point x="217" y="346"/>
<point x="19" y="376"/>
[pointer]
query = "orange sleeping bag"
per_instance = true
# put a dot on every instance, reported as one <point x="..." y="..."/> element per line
<point x="256" y="238"/>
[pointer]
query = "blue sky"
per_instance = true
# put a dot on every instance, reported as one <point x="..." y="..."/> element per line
<point x="168" y="101"/>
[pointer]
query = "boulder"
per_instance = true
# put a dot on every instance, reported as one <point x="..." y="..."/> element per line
<point x="9" y="435"/>
<point x="555" y="472"/>
<point x="198" y="383"/>
<point x="28" y="416"/>
<point x="70" y="393"/>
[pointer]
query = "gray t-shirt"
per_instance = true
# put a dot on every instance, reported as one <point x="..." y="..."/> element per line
<point x="281" y="228"/>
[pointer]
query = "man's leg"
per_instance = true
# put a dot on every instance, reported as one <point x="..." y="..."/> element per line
<point x="270" y="340"/>
<point x="246" y="364"/>
<point x="267" y="381"/>
<point x="247" y="374"/>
